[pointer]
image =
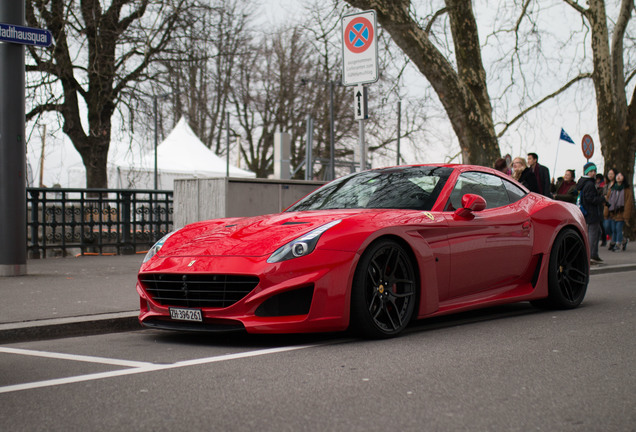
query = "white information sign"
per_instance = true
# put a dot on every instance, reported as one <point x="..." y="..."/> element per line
<point x="359" y="48"/>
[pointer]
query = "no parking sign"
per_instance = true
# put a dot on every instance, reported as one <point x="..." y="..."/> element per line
<point x="587" y="145"/>
<point x="359" y="48"/>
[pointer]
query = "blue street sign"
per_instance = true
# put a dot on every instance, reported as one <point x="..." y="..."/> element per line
<point x="25" y="35"/>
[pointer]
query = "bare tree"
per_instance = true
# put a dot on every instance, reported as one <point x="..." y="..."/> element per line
<point x="98" y="54"/>
<point x="201" y="65"/>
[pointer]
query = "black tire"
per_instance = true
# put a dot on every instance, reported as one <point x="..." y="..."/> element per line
<point x="568" y="272"/>
<point x="384" y="291"/>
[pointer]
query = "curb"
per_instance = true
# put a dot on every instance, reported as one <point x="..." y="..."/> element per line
<point x="601" y="269"/>
<point x="69" y="327"/>
<point x="87" y="325"/>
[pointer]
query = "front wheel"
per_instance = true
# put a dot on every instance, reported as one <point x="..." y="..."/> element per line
<point x="384" y="291"/>
<point x="568" y="271"/>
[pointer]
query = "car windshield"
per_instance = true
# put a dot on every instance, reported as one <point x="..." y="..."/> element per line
<point x="412" y="188"/>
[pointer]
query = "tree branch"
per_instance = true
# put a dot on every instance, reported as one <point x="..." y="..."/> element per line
<point x="580" y="9"/>
<point x="548" y="97"/>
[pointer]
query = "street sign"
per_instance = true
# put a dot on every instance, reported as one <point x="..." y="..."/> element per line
<point x="359" y="48"/>
<point x="587" y="145"/>
<point x="25" y="35"/>
<point x="360" y="103"/>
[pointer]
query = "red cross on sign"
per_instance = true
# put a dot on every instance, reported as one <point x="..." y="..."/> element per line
<point x="358" y="35"/>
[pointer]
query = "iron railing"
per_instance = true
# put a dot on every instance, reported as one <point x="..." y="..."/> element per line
<point x="85" y="221"/>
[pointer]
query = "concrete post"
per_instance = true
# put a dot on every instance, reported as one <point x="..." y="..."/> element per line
<point x="282" y="147"/>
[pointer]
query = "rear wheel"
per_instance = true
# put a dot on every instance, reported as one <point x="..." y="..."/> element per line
<point x="568" y="272"/>
<point x="384" y="291"/>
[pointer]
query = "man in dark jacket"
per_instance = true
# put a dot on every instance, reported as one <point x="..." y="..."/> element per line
<point x="541" y="173"/>
<point x="591" y="200"/>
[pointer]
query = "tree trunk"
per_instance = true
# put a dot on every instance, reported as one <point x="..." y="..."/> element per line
<point x="616" y="120"/>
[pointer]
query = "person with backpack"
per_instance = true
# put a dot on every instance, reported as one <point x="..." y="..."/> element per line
<point x="590" y="201"/>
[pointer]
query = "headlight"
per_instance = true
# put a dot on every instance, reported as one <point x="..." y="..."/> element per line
<point x="302" y="245"/>
<point x="157" y="246"/>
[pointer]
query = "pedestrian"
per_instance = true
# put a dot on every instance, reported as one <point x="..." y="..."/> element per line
<point x="502" y="165"/>
<point x="618" y="211"/>
<point x="541" y="173"/>
<point x="565" y="189"/>
<point x="600" y="185"/>
<point x="523" y="174"/>
<point x="610" y="179"/>
<point x="591" y="199"/>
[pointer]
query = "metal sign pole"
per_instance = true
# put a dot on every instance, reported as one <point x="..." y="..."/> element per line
<point x="363" y="147"/>
<point x="13" y="253"/>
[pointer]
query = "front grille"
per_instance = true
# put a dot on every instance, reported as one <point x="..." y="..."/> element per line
<point x="197" y="290"/>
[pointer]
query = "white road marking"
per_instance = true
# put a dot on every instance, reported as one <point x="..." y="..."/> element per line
<point x="74" y="357"/>
<point x="141" y="367"/>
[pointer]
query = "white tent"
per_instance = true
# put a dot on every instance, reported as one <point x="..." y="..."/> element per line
<point x="180" y="155"/>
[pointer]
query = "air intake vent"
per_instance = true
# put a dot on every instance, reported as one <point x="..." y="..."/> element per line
<point x="197" y="290"/>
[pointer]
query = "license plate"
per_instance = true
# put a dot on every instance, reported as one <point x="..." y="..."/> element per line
<point x="186" y="314"/>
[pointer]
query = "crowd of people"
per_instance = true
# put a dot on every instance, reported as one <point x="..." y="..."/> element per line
<point x="602" y="199"/>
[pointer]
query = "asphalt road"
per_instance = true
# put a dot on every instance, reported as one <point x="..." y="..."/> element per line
<point x="511" y="368"/>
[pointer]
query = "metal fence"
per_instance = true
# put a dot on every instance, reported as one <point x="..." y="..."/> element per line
<point x="101" y="221"/>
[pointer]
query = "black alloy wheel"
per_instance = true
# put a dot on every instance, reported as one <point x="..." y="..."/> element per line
<point x="384" y="291"/>
<point x="568" y="271"/>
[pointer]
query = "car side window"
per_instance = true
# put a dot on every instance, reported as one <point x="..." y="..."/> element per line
<point x="488" y="186"/>
<point x="515" y="193"/>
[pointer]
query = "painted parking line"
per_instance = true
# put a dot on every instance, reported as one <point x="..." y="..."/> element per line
<point x="74" y="357"/>
<point x="140" y="367"/>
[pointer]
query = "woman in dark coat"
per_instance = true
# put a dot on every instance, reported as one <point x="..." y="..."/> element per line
<point x="524" y="175"/>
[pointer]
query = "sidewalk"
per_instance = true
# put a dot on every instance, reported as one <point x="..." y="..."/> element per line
<point x="61" y="297"/>
<point x="74" y="296"/>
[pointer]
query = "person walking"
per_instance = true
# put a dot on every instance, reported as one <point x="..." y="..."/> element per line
<point x="618" y="211"/>
<point x="610" y="179"/>
<point x="523" y="174"/>
<point x="591" y="199"/>
<point x="565" y="189"/>
<point x="541" y="173"/>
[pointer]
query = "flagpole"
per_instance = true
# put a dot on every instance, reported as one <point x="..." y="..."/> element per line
<point x="556" y="158"/>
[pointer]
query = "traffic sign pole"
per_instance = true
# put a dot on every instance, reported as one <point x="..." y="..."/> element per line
<point x="12" y="148"/>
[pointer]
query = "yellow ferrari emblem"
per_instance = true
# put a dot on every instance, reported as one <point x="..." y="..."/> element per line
<point x="191" y="263"/>
<point x="429" y="215"/>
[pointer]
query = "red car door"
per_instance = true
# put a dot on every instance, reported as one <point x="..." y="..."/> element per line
<point x="491" y="248"/>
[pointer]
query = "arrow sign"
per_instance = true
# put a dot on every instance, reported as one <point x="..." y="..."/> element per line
<point x="25" y="35"/>
<point x="360" y="103"/>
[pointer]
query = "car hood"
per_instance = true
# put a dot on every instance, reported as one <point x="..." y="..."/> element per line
<point x="253" y="236"/>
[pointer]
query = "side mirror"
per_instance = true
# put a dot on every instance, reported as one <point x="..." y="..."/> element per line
<point x="470" y="203"/>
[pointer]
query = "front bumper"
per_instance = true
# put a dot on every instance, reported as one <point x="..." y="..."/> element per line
<point x="273" y="305"/>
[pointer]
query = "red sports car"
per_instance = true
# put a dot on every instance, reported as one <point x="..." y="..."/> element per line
<point x="372" y="251"/>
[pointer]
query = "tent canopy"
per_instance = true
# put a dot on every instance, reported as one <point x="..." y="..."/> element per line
<point x="180" y="155"/>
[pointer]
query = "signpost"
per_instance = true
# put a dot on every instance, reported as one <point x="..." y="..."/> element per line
<point x="13" y="37"/>
<point x="360" y="64"/>
<point x="587" y="145"/>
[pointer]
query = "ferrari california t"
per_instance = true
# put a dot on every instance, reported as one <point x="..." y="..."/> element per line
<point x="372" y="252"/>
